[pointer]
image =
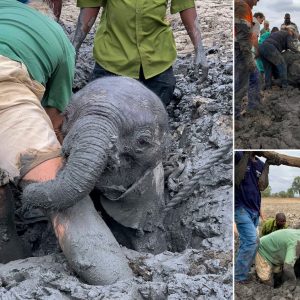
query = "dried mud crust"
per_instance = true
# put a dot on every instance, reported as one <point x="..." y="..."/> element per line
<point x="199" y="229"/>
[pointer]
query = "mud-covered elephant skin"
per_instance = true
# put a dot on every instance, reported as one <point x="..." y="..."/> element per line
<point x="292" y="61"/>
<point x="115" y="130"/>
<point x="115" y="135"/>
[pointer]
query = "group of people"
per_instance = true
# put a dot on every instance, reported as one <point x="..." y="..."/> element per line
<point x="278" y="247"/>
<point x="258" y="54"/>
<point x="37" y="63"/>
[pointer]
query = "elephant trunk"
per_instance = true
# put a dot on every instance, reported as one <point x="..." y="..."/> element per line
<point x="86" y="149"/>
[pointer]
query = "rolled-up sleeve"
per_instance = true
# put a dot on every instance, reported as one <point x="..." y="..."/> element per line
<point x="90" y="3"/>
<point x="180" y="5"/>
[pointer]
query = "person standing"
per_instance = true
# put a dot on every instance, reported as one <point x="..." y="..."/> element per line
<point x="244" y="60"/>
<point x="139" y="43"/>
<point x="251" y="177"/>
<point x="266" y="27"/>
<point x="254" y="80"/>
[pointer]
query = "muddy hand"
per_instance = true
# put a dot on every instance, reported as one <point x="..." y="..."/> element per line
<point x="201" y="62"/>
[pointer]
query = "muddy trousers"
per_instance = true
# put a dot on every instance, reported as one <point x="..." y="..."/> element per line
<point x="254" y="90"/>
<point x="272" y="58"/>
<point x="162" y="85"/>
<point x="246" y="223"/>
<point x="241" y="79"/>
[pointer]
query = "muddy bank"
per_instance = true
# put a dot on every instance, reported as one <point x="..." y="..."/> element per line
<point x="198" y="228"/>
<point x="274" y="125"/>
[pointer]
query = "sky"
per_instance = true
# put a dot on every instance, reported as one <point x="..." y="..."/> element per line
<point x="274" y="11"/>
<point x="281" y="177"/>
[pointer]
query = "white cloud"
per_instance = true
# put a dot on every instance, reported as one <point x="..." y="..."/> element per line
<point x="275" y="10"/>
<point x="281" y="177"/>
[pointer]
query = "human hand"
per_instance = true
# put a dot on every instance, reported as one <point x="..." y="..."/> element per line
<point x="200" y="62"/>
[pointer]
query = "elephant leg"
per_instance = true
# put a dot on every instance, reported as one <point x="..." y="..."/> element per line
<point x="11" y="246"/>
<point x="89" y="245"/>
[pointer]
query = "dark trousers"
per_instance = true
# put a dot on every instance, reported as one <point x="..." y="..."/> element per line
<point x="254" y="90"/>
<point x="271" y="57"/>
<point x="162" y="85"/>
<point x="241" y="79"/>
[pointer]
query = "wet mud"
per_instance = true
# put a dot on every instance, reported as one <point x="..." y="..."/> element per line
<point x="198" y="263"/>
<point x="275" y="123"/>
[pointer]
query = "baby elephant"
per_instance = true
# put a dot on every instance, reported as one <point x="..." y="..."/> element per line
<point x="115" y="132"/>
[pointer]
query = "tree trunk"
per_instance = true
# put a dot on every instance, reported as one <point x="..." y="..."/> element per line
<point x="286" y="160"/>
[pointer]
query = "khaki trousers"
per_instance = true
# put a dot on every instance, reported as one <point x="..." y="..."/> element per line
<point x="27" y="137"/>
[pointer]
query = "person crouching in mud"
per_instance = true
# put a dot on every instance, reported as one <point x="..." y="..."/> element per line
<point x="276" y="257"/>
<point x="270" y="53"/>
<point x="34" y="73"/>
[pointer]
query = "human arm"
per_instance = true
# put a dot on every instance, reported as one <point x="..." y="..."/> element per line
<point x="241" y="167"/>
<point x="56" y="6"/>
<point x="190" y="20"/>
<point x="56" y="120"/>
<point x="263" y="180"/>
<point x="292" y="253"/>
<point x="85" y="22"/>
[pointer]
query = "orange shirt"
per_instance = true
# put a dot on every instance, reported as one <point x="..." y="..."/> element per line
<point x="242" y="12"/>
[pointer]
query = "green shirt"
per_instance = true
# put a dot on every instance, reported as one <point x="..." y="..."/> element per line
<point x="279" y="247"/>
<point x="269" y="226"/>
<point x="40" y="43"/>
<point x="135" y="33"/>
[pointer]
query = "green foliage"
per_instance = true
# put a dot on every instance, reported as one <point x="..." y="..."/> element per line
<point x="267" y="192"/>
<point x="296" y="185"/>
<point x="290" y="193"/>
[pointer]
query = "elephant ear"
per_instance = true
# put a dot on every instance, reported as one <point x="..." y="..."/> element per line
<point x="140" y="205"/>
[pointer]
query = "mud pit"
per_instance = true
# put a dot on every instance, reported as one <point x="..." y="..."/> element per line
<point x="274" y="125"/>
<point x="256" y="290"/>
<point x="198" y="264"/>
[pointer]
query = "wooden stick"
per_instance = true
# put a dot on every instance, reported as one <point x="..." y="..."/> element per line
<point x="283" y="159"/>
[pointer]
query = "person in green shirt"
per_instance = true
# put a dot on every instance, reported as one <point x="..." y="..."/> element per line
<point x="135" y="39"/>
<point x="273" y="224"/>
<point x="37" y="63"/>
<point x="278" y="251"/>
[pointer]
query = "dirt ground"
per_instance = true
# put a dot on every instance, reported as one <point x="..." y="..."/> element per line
<point x="274" y="124"/>
<point x="256" y="290"/>
<point x="198" y="264"/>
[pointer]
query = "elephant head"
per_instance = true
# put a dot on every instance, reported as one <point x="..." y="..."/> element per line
<point x="115" y="129"/>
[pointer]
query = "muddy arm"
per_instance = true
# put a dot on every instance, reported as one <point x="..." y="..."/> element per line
<point x="240" y="169"/>
<point x="190" y="20"/>
<point x="263" y="180"/>
<point x="85" y="22"/>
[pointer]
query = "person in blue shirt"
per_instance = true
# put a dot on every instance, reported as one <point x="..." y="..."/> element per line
<point x="251" y="177"/>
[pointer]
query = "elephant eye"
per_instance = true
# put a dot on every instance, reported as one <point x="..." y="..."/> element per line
<point x="143" y="141"/>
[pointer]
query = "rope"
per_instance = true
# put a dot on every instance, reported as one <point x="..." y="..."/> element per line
<point x="189" y="188"/>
